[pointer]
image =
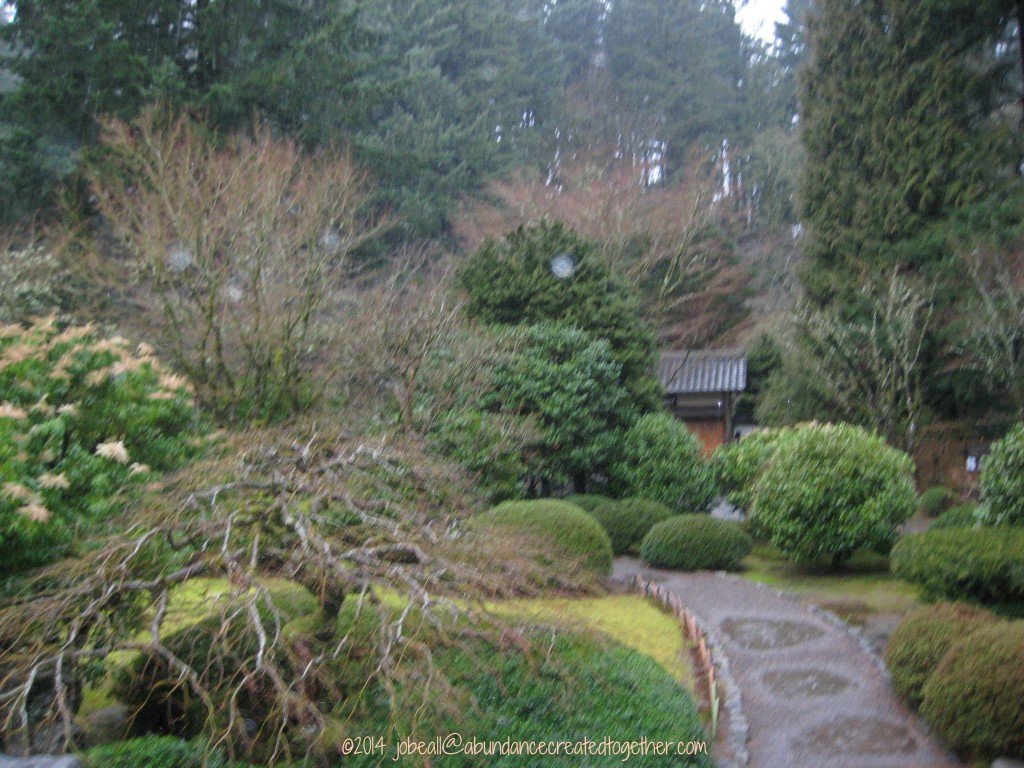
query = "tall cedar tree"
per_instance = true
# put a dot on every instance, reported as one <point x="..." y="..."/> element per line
<point x="896" y="104"/>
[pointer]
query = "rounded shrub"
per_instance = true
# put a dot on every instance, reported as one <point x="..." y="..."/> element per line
<point x="737" y="465"/>
<point x="830" y="490"/>
<point x="960" y="516"/>
<point x="661" y="460"/>
<point x="587" y="501"/>
<point x="974" y="697"/>
<point x="918" y="645"/>
<point x="984" y="565"/>
<point x="1002" y="480"/>
<point x="566" y="533"/>
<point x="695" y="542"/>
<point x="628" y="521"/>
<point x="932" y="501"/>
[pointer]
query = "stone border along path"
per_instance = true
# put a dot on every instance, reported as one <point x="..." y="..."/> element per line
<point x="813" y="694"/>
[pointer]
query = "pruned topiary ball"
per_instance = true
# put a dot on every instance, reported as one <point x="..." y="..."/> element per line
<point x="975" y="698"/>
<point x="695" y="542"/>
<point x="918" y="645"/>
<point x="566" y="534"/>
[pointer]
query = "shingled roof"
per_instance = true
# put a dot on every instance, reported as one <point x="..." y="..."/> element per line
<point x="711" y="370"/>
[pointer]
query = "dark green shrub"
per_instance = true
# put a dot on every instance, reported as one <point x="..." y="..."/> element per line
<point x="960" y="516"/>
<point x="934" y="500"/>
<point x="918" y="645"/>
<point x="695" y="542"/>
<point x="830" y="490"/>
<point x="81" y="419"/>
<point x="660" y="459"/>
<point x="974" y="698"/>
<point x="1002" y="480"/>
<point x="629" y="520"/>
<point x="562" y="531"/>
<point x="739" y="464"/>
<point x="587" y="501"/>
<point x="983" y="565"/>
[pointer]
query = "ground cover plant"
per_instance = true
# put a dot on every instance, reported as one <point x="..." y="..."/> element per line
<point x="695" y="542"/>
<point x="628" y="619"/>
<point x="860" y="591"/>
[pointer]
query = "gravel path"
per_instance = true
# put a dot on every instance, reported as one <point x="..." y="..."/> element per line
<point x="812" y="696"/>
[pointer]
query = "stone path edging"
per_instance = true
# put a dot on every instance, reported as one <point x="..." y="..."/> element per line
<point x="736" y="736"/>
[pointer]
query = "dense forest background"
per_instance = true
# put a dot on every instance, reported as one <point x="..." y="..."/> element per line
<point x="846" y="200"/>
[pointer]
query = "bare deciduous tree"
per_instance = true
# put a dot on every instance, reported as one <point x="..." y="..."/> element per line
<point x="995" y="321"/>
<point x="871" y="367"/>
<point x="240" y="239"/>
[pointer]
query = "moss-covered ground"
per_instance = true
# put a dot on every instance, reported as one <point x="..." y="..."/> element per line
<point x="858" y="591"/>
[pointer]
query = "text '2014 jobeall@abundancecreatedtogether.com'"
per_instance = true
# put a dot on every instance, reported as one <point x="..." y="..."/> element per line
<point x="455" y="744"/>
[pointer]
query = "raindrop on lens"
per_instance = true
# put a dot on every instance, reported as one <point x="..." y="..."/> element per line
<point x="563" y="265"/>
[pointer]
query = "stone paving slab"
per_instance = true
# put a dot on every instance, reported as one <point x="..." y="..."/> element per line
<point x="812" y="695"/>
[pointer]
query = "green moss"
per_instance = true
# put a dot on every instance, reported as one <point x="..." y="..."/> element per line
<point x="861" y="587"/>
<point x="629" y="619"/>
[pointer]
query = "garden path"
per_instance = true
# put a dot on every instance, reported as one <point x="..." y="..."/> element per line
<point x="812" y="695"/>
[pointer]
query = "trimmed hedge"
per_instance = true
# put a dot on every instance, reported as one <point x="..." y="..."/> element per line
<point x="1002" y="480"/>
<point x="934" y="500"/>
<point x="960" y="516"/>
<point x="660" y="459"/>
<point x="974" y="698"/>
<point x="831" y="490"/>
<point x="564" y="530"/>
<point x="984" y="565"/>
<point x="629" y="520"/>
<point x="918" y="645"/>
<point x="695" y="542"/>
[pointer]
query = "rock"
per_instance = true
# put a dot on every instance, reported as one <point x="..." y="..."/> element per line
<point x="723" y="510"/>
<point x="1008" y="762"/>
<point x="106" y="725"/>
<point x="41" y="761"/>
